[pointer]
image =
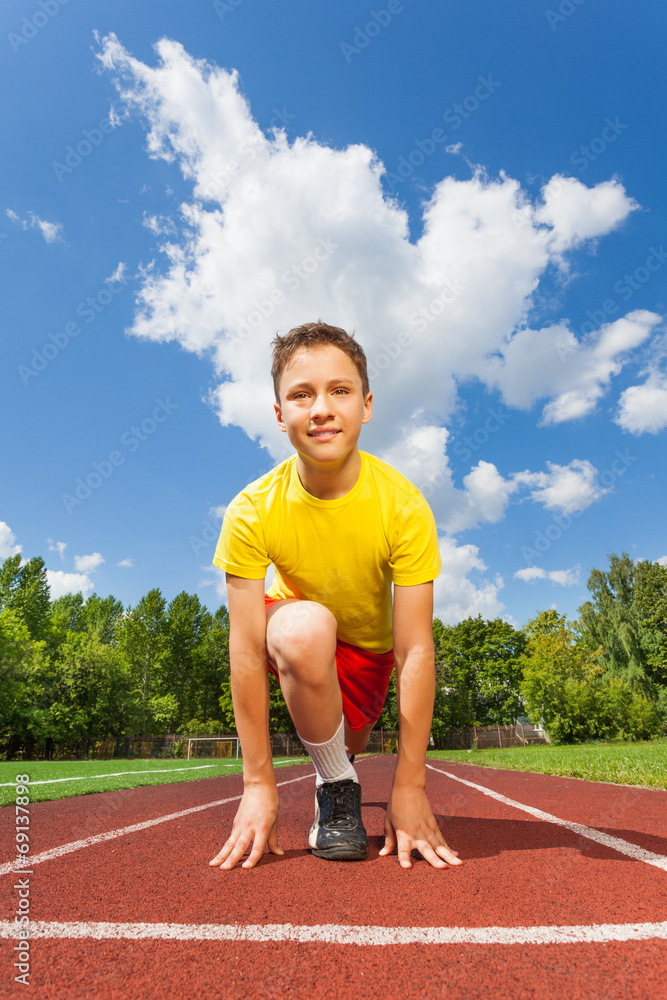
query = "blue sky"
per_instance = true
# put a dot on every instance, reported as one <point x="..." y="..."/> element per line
<point x="521" y="211"/>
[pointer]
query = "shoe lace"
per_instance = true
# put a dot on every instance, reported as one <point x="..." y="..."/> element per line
<point x="342" y="803"/>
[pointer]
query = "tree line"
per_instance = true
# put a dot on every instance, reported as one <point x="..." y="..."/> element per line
<point x="74" y="670"/>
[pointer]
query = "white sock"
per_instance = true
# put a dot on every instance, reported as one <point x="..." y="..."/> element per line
<point x="330" y="759"/>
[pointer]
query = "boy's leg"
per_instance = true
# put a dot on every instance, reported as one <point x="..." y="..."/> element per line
<point x="356" y="739"/>
<point x="301" y="644"/>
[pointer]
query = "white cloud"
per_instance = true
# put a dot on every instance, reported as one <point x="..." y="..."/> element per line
<point x="243" y="264"/>
<point x="8" y="546"/>
<point x="216" y="578"/>
<point x="644" y="407"/>
<point x="551" y="362"/>
<point x="566" y="488"/>
<point x="662" y="560"/>
<point x="422" y="456"/>
<point x="126" y="563"/>
<point x="455" y="595"/>
<point x="119" y="273"/>
<point x="159" y="225"/>
<point x="58" y="547"/>
<point x="67" y="583"/>
<point x="576" y="213"/>
<point x="88" y="564"/>
<point x="51" y="231"/>
<point x="564" y="577"/>
<point x="530" y="574"/>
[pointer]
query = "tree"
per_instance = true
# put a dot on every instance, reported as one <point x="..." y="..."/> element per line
<point x="280" y="721"/>
<point x="25" y="589"/>
<point x="95" y="696"/>
<point x="479" y="672"/>
<point x="24" y="670"/>
<point x="454" y="695"/>
<point x="651" y="601"/>
<point x="67" y="613"/>
<point x="569" y="691"/>
<point x="627" y="619"/>
<point x="187" y="622"/>
<point x="103" y="615"/>
<point x="211" y="666"/>
<point x="142" y="639"/>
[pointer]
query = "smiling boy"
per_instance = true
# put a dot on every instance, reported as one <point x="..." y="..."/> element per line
<point x="340" y="526"/>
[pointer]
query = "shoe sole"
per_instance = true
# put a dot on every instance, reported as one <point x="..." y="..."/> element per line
<point x="337" y="852"/>
<point x="340" y="854"/>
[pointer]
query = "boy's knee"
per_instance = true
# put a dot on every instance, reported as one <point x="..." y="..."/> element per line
<point x="302" y="629"/>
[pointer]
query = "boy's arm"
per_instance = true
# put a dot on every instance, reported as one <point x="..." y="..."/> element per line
<point x="409" y="822"/>
<point x="256" y="821"/>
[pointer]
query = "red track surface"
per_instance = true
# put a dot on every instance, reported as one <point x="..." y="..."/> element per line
<point x="519" y="872"/>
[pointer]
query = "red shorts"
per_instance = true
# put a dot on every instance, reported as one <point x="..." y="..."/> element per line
<point x="363" y="678"/>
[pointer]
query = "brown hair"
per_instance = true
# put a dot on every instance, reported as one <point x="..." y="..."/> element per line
<point x="316" y="335"/>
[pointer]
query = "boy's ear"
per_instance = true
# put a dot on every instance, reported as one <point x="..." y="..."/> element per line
<point x="279" y="418"/>
<point x="368" y="408"/>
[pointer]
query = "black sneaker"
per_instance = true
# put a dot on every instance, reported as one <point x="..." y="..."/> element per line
<point x="337" y="832"/>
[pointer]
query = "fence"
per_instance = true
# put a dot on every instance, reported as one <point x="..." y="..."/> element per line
<point x="484" y="737"/>
<point x="124" y="748"/>
<point x="282" y="744"/>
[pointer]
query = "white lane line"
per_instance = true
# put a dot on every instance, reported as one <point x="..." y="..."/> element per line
<point x="342" y="933"/>
<point x="116" y="774"/>
<point x="615" y="843"/>
<point x="76" y="845"/>
<point x="112" y="774"/>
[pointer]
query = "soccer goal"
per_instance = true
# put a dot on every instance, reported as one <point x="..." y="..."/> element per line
<point x="213" y="746"/>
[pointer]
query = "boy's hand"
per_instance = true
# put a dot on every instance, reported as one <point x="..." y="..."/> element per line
<point x="256" y="824"/>
<point x="409" y="824"/>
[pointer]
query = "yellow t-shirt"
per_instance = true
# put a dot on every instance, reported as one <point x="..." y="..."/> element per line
<point x="343" y="553"/>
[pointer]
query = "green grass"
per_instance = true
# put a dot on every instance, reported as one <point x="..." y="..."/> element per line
<point x="90" y="773"/>
<point x="623" y="763"/>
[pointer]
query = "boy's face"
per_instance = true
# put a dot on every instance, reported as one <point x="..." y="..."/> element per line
<point x="322" y="406"/>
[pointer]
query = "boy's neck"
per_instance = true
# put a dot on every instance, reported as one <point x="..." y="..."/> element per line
<point x="330" y="483"/>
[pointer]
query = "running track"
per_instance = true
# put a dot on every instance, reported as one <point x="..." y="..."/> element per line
<point x="540" y="909"/>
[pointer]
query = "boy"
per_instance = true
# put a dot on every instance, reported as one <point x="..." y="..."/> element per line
<point x="338" y="525"/>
